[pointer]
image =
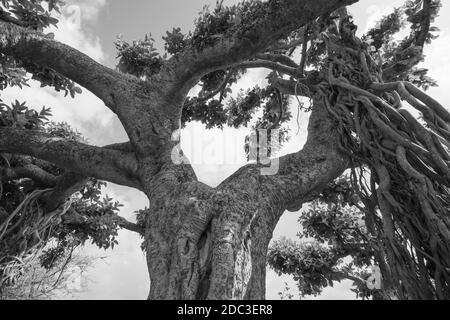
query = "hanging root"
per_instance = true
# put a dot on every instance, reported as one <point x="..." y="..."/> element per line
<point x="26" y="229"/>
<point x="407" y="202"/>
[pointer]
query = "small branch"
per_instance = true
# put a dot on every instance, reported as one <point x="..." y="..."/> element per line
<point x="275" y="66"/>
<point x="130" y="226"/>
<point x="280" y="58"/>
<point x="292" y="87"/>
<point x="304" y="50"/>
<point x="29" y="171"/>
<point x="74" y="218"/>
<point x="425" y="24"/>
<point x="219" y="89"/>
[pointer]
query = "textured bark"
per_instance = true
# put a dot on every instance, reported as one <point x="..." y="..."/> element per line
<point x="105" y="164"/>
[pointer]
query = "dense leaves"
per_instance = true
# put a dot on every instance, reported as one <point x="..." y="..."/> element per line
<point x="138" y="58"/>
<point x="35" y="15"/>
<point x="334" y="245"/>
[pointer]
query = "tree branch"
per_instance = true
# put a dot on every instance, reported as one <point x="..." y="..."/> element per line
<point x="90" y="161"/>
<point x="29" y="171"/>
<point x="28" y="45"/>
<point x="341" y="275"/>
<point x="249" y="39"/>
<point x="67" y="184"/>
<point x="295" y="88"/>
<point x="280" y="58"/>
<point x="299" y="174"/>
<point x="72" y="217"/>
<point x="304" y="50"/>
<point x="130" y="226"/>
<point x="275" y="66"/>
<point x="211" y="95"/>
<point x="123" y="146"/>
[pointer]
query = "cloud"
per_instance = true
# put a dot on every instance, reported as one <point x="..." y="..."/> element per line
<point x="366" y="16"/>
<point x="71" y="30"/>
<point x="438" y="61"/>
<point x="86" y="112"/>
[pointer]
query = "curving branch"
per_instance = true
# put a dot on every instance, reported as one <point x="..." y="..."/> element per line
<point x="295" y="87"/>
<point x="90" y="161"/>
<point x="130" y="226"/>
<point x="248" y="39"/>
<point x="280" y="58"/>
<point x="300" y="174"/>
<point x="391" y="71"/>
<point x="29" y="171"/>
<point x="272" y="65"/>
<point x="28" y="45"/>
<point x="215" y="92"/>
<point x="67" y="184"/>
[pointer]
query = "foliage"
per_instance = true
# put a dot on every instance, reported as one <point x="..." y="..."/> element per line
<point x="400" y="58"/>
<point x="100" y="226"/>
<point x="25" y="224"/>
<point x="18" y="115"/>
<point x="334" y="245"/>
<point x="175" y="41"/>
<point x="139" y="58"/>
<point x="309" y="263"/>
<point x="36" y="15"/>
<point x="40" y="276"/>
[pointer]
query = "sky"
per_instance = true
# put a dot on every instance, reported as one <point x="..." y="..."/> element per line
<point x="91" y="26"/>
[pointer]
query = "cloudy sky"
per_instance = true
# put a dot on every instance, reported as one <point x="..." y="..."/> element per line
<point x="91" y="26"/>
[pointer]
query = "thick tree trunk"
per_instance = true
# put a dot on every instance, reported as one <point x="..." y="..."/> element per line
<point x="211" y="243"/>
<point x="208" y="248"/>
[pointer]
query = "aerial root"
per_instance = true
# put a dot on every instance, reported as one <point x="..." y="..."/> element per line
<point x="408" y="200"/>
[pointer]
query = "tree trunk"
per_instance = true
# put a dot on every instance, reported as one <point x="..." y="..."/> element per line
<point x="204" y="245"/>
<point x="211" y="243"/>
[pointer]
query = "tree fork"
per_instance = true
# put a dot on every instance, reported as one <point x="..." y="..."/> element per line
<point x="211" y="243"/>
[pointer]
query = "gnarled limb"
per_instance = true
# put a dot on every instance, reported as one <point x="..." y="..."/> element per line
<point x="72" y="217"/>
<point x="248" y="39"/>
<point x="280" y="58"/>
<point x="105" y="164"/>
<point x="28" y="45"/>
<point x="29" y="171"/>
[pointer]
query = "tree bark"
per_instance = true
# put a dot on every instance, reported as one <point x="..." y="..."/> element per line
<point x="211" y="243"/>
